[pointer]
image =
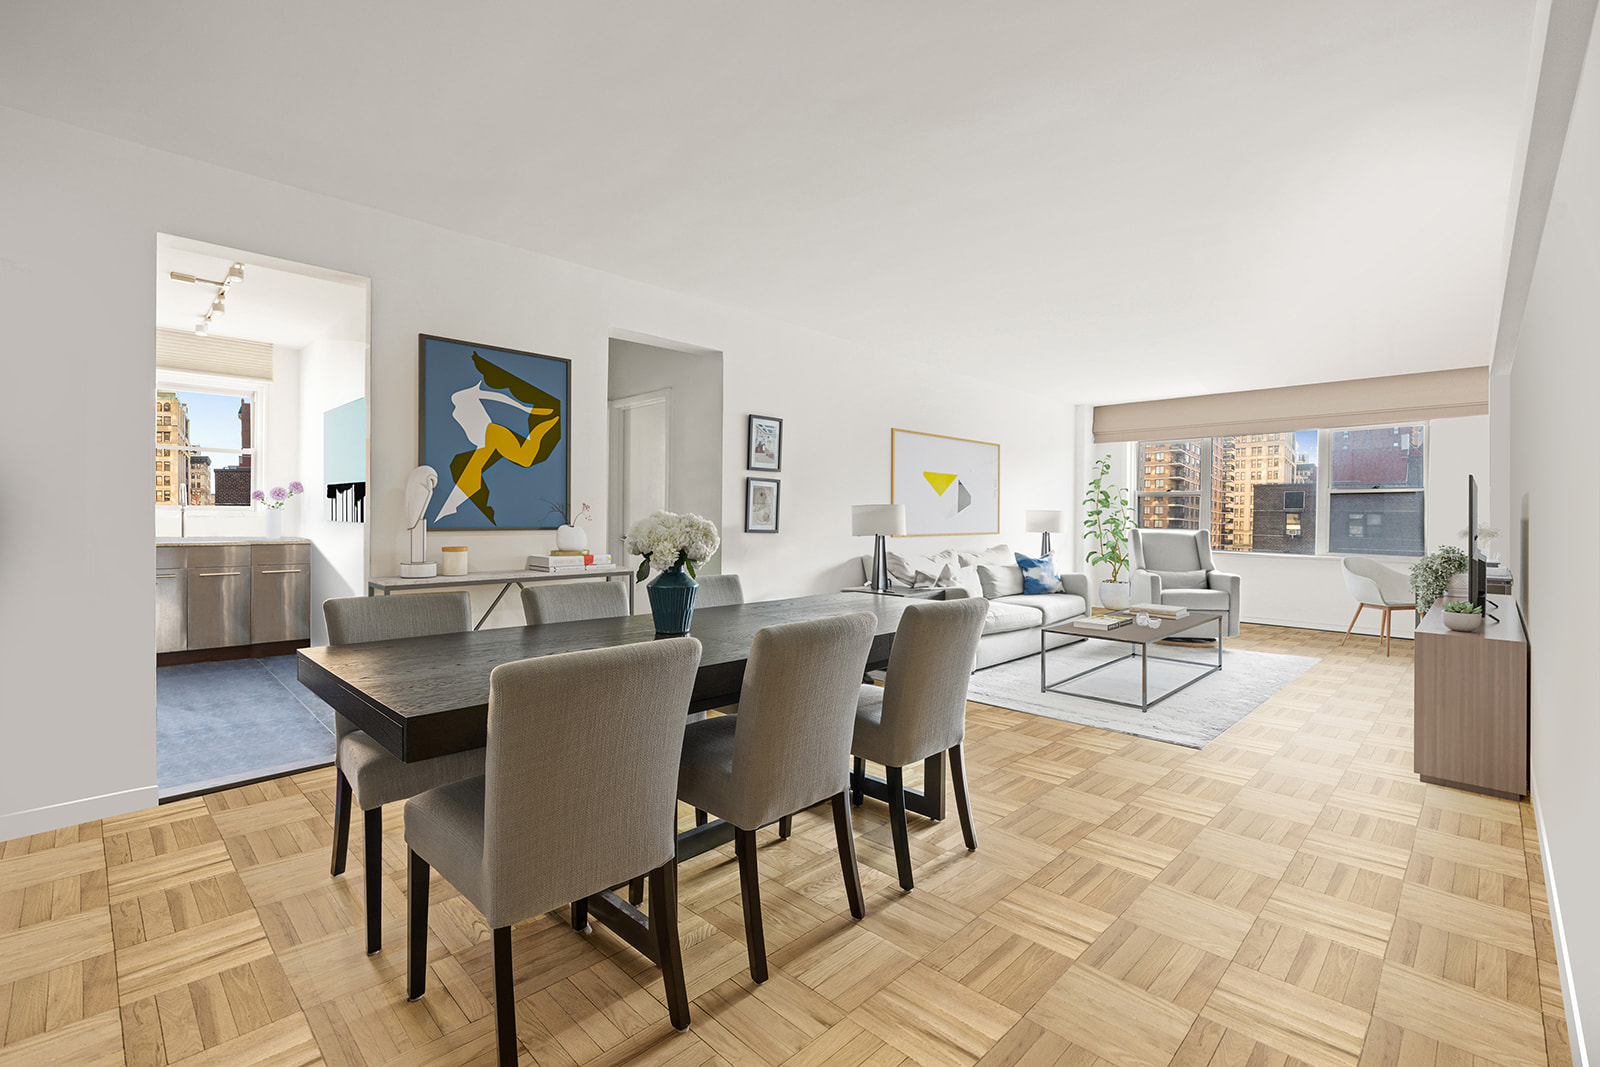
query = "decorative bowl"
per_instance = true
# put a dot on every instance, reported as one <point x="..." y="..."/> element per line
<point x="1463" y="622"/>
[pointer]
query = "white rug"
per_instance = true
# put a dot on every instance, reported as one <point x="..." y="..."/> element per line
<point x="1191" y="718"/>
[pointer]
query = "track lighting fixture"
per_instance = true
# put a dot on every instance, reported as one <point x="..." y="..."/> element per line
<point x="234" y="276"/>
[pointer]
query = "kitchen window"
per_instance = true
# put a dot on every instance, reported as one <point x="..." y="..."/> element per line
<point x="210" y="439"/>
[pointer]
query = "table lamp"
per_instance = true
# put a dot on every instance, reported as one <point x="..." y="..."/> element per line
<point x="1045" y="523"/>
<point x="878" y="521"/>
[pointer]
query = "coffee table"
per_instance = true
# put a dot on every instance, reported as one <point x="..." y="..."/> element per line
<point x="1139" y="639"/>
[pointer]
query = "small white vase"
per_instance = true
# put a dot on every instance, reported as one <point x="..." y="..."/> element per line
<point x="571" y="539"/>
<point x="1116" y="595"/>
<point x="274" y="523"/>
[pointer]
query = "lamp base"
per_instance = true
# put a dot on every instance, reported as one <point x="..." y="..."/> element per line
<point x="419" y="570"/>
<point x="880" y="565"/>
<point x="1044" y="545"/>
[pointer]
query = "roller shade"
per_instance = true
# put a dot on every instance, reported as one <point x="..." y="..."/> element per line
<point x="1327" y="405"/>
<point x="213" y="355"/>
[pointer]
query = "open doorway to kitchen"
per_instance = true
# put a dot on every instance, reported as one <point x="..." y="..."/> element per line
<point x="260" y="461"/>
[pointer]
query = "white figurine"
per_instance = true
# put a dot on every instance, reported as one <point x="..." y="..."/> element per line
<point x="419" y="490"/>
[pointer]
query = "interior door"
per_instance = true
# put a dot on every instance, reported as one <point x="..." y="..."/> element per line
<point x="639" y="466"/>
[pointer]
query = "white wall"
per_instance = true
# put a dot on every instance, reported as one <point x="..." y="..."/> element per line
<point x="79" y="697"/>
<point x="1556" y="525"/>
<point x="332" y="373"/>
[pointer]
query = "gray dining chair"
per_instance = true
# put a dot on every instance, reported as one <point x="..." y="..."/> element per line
<point x="787" y="749"/>
<point x="574" y="602"/>
<point x="579" y="794"/>
<point x="920" y="710"/>
<point x="1376" y="586"/>
<point x="364" y="771"/>
<point x="719" y="591"/>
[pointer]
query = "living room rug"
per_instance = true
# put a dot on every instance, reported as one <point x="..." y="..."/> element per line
<point x="1192" y="718"/>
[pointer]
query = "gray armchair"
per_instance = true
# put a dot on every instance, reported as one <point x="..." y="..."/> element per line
<point x="1174" y="567"/>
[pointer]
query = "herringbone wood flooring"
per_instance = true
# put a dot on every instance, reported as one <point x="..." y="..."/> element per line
<point x="1291" y="894"/>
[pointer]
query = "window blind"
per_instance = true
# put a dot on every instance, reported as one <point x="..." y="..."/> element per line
<point x="1326" y="405"/>
<point x="213" y="355"/>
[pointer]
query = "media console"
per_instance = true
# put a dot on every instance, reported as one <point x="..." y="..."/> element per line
<point x="1471" y="706"/>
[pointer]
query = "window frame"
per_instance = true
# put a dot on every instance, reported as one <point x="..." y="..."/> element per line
<point x="257" y="391"/>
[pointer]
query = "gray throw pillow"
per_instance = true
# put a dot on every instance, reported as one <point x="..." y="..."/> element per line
<point x="1183" y="580"/>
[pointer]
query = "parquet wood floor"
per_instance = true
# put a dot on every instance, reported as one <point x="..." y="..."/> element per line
<point x="1291" y="894"/>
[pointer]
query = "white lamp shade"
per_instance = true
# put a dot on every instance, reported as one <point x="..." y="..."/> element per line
<point x="868" y="519"/>
<point x="1046" y="521"/>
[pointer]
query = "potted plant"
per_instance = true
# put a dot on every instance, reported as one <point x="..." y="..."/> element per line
<point x="1109" y="518"/>
<point x="1430" y="575"/>
<point x="671" y="543"/>
<point x="1463" y="615"/>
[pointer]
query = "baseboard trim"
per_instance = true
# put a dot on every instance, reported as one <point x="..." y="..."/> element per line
<point x="88" y="809"/>
<point x="1580" y="1053"/>
<point x="1301" y="624"/>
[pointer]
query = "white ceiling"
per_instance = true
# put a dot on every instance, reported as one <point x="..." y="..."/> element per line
<point x="276" y="302"/>
<point x="1113" y="200"/>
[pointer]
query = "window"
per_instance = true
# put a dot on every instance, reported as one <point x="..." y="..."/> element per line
<point x="1376" y="491"/>
<point x="209" y="435"/>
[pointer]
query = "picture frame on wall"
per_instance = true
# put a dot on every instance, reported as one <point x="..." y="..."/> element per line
<point x="493" y="423"/>
<point x="764" y="439"/>
<point x="761" y="505"/>
<point x="949" y="485"/>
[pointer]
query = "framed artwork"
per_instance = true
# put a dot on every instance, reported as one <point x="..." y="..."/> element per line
<point x="493" y="425"/>
<point x="949" y="485"/>
<point x="765" y="444"/>
<point x="761" y="505"/>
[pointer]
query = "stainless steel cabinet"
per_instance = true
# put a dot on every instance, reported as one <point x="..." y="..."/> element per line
<point x="280" y="592"/>
<point x="172" y="609"/>
<point x="219" y="595"/>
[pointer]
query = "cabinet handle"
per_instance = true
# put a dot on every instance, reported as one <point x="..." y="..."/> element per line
<point x="166" y="576"/>
<point x="218" y="574"/>
<point x="290" y="570"/>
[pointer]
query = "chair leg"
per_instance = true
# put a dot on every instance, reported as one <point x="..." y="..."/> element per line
<point x="858" y="775"/>
<point x="897" y="825"/>
<point x="958" y="778"/>
<point x="785" y="827"/>
<point x="372" y="830"/>
<point x="699" y="817"/>
<point x="580" y="914"/>
<point x="505" y="1008"/>
<point x="1352" y="625"/>
<point x="664" y="924"/>
<point x="1388" y="629"/>
<point x="636" y="891"/>
<point x="342" y="798"/>
<point x="755" y="942"/>
<point x="416" y="926"/>
<point x="847" y="855"/>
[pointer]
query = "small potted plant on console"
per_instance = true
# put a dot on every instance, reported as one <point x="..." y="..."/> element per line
<point x="1463" y="616"/>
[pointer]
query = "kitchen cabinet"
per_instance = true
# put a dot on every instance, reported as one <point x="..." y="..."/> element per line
<point x="227" y="599"/>
<point x="219" y="596"/>
<point x="172" y="592"/>
<point x="280" y="592"/>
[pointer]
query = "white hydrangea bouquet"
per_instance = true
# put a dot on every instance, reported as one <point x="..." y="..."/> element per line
<point x="668" y="540"/>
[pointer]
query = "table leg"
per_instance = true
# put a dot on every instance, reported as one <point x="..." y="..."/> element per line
<point x="503" y="591"/>
<point x="1144" y="680"/>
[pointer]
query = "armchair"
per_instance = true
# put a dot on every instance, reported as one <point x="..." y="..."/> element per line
<point x="1174" y="567"/>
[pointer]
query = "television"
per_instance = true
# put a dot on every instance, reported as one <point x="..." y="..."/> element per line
<point x="1477" y="565"/>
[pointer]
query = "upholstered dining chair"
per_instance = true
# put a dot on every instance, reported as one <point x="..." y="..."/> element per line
<point x="579" y="795"/>
<point x="719" y="591"/>
<point x="921" y="710"/>
<point x="364" y="771"/>
<point x="1376" y="586"/>
<point x="787" y="749"/>
<point x="1174" y="567"/>
<point x="574" y="602"/>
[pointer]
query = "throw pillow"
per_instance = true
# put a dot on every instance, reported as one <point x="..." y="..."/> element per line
<point x="1183" y="579"/>
<point x="999" y="581"/>
<point x="967" y="578"/>
<point x="1038" y="575"/>
<point x="995" y="556"/>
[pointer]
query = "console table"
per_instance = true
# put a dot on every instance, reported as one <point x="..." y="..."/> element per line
<point x="1471" y="703"/>
<point x="507" y="579"/>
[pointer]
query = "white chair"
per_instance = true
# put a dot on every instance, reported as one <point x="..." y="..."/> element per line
<point x="1376" y="586"/>
<point x="1174" y="567"/>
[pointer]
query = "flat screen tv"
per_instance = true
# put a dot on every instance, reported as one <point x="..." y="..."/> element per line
<point x="1477" y="566"/>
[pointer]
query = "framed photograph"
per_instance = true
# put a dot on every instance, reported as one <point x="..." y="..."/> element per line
<point x="761" y="505"/>
<point x="949" y="485"/>
<point x="765" y="442"/>
<point x="493" y="425"/>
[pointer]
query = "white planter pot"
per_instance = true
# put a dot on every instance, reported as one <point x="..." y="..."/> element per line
<point x="1116" y="595"/>
<point x="1457" y="589"/>
<point x="1462" y="621"/>
<point x="571" y="538"/>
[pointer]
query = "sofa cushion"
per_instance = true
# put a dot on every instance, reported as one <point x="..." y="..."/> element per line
<point x="1000" y="581"/>
<point x="904" y="566"/>
<point x="995" y="555"/>
<point x="1004" y="618"/>
<point x="1209" y="599"/>
<point x="1038" y="575"/>
<point x="967" y="578"/>
<point x="1052" y="607"/>
<point x="1183" y="580"/>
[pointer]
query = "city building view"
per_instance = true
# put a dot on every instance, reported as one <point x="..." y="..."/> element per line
<point x="1259" y="492"/>
<point x="189" y="470"/>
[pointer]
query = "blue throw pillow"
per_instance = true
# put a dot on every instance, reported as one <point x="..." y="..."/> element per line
<point x="1038" y="575"/>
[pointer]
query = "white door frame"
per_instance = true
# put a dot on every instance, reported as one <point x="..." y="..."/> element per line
<point x="618" y="463"/>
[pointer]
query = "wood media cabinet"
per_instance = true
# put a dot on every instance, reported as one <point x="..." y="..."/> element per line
<point x="1472" y="702"/>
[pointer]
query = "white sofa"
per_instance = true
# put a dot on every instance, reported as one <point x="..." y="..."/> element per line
<point x="1011" y="630"/>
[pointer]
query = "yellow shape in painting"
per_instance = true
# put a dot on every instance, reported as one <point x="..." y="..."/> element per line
<point x="940" y="482"/>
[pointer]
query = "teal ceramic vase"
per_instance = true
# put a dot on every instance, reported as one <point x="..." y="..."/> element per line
<point x="672" y="601"/>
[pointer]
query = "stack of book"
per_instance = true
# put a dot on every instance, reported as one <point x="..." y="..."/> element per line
<point x="1104" y="622"/>
<point x="1160" y="611"/>
<point x="565" y="560"/>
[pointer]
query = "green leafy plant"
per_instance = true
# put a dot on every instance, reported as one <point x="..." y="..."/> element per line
<point x="1430" y="575"/>
<point x="1109" y="518"/>
<point x="1463" y="607"/>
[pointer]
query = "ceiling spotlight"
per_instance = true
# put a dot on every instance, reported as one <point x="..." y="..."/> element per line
<point x="235" y="274"/>
<point x="216" y="305"/>
<point x="200" y="327"/>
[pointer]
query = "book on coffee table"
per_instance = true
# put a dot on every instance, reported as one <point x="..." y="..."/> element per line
<point x="1161" y="611"/>
<point x="1103" y="622"/>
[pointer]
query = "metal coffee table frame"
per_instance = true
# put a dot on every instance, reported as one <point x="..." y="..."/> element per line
<point x="1139" y="640"/>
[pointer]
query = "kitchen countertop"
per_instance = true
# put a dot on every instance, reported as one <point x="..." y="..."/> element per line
<point x="187" y="542"/>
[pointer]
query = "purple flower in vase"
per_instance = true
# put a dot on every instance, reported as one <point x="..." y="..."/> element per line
<point x="279" y="494"/>
<point x="257" y="495"/>
<point x="296" y="488"/>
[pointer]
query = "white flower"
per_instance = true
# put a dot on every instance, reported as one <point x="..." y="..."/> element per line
<point x="667" y="539"/>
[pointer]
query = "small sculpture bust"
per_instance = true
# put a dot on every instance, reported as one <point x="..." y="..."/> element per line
<point x="419" y="491"/>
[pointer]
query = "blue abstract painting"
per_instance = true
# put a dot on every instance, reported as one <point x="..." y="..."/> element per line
<point x="494" y="427"/>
